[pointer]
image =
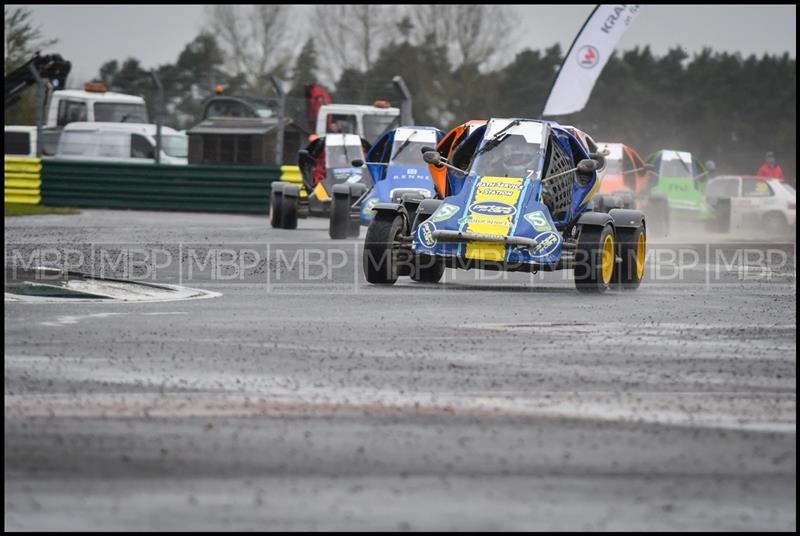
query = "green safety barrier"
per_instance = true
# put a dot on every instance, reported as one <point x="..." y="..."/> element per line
<point x="207" y="188"/>
<point x="22" y="180"/>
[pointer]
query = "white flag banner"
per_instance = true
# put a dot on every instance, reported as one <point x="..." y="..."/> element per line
<point x="587" y="56"/>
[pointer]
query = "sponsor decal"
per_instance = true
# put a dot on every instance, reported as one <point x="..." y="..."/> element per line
<point x="496" y="192"/>
<point x="546" y="243"/>
<point x="425" y="233"/>
<point x="538" y="220"/>
<point x="588" y="56"/>
<point x="489" y="183"/>
<point x="611" y="20"/>
<point x="444" y="212"/>
<point x="368" y="206"/>
<point x="492" y="208"/>
<point x="483" y="221"/>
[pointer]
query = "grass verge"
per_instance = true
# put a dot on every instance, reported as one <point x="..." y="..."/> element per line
<point x="22" y="209"/>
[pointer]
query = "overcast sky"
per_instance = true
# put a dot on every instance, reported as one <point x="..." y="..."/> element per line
<point x="90" y="35"/>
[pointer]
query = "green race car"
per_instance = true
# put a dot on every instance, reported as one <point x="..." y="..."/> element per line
<point x="678" y="189"/>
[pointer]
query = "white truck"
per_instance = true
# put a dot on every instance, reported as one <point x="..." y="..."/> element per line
<point x="94" y="103"/>
<point x="369" y="122"/>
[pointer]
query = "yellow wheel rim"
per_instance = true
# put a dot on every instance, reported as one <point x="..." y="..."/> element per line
<point x="640" y="256"/>
<point x="608" y="259"/>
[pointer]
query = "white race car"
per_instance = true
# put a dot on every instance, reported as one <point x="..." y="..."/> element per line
<point x="755" y="202"/>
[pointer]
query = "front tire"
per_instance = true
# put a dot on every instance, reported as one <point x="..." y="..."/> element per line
<point x="427" y="269"/>
<point x="340" y="217"/>
<point x="381" y="249"/>
<point x="595" y="259"/>
<point x="290" y="207"/>
<point x="632" y="249"/>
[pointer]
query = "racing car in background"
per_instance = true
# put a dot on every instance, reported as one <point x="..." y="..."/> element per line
<point x="627" y="182"/>
<point x="678" y="189"/>
<point x="397" y="168"/>
<point x="754" y="203"/>
<point x="623" y="180"/>
<point x="324" y="163"/>
<point x="521" y="206"/>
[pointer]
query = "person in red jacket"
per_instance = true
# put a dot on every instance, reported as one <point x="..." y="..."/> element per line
<point x="770" y="168"/>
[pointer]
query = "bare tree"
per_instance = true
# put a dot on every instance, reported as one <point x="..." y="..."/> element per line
<point x="21" y="37"/>
<point x="350" y="36"/>
<point x="254" y="38"/>
<point x="473" y="34"/>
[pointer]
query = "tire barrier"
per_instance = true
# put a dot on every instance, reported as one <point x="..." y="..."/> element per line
<point x="23" y="180"/>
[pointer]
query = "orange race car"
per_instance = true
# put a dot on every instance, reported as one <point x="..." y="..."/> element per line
<point x="446" y="147"/>
<point x="624" y="180"/>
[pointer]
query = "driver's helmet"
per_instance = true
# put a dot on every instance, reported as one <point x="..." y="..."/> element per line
<point x="517" y="156"/>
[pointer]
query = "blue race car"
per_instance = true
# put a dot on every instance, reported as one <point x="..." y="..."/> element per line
<point x="398" y="170"/>
<point x="517" y="201"/>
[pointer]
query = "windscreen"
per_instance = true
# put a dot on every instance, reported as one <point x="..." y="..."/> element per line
<point x="341" y="156"/>
<point x="513" y="156"/>
<point x="676" y="164"/>
<point x="408" y="144"/>
<point x="176" y="145"/>
<point x="120" y="112"/>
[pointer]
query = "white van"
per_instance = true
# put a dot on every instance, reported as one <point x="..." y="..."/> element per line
<point x="121" y="142"/>
<point x="20" y="140"/>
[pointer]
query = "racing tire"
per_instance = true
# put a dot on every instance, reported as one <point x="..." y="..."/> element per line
<point x="289" y="209"/>
<point x="381" y="259"/>
<point x="595" y="259"/>
<point x="275" y="207"/>
<point x="427" y="269"/>
<point x="775" y="223"/>
<point x="632" y="245"/>
<point x="340" y="217"/>
<point x="354" y="222"/>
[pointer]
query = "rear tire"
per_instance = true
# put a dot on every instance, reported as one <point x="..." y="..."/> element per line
<point x="289" y="209"/>
<point x="633" y="251"/>
<point x="340" y="217"/>
<point x="595" y="259"/>
<point x="275" y="208"/>
<point x="381" y="255"/>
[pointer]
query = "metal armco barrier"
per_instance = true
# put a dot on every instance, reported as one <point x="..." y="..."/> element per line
<point x="22" y="179"/>
<point x="206" y="188"/>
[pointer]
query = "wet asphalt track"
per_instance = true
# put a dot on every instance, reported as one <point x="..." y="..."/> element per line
<point x="304" y="398"/>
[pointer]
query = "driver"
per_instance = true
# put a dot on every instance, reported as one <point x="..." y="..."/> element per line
<point x="514" y="158"/>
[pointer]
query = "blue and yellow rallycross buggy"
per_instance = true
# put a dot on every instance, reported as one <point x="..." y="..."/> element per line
<point x="516" y="200"/>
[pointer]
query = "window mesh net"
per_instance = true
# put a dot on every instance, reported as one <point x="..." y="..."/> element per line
<point x="557" y="193"/>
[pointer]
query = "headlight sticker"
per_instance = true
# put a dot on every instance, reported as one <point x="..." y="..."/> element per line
<point x="538" y="220"/>
<point x="444" y="212"/>
<point x="368" y="206"/>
